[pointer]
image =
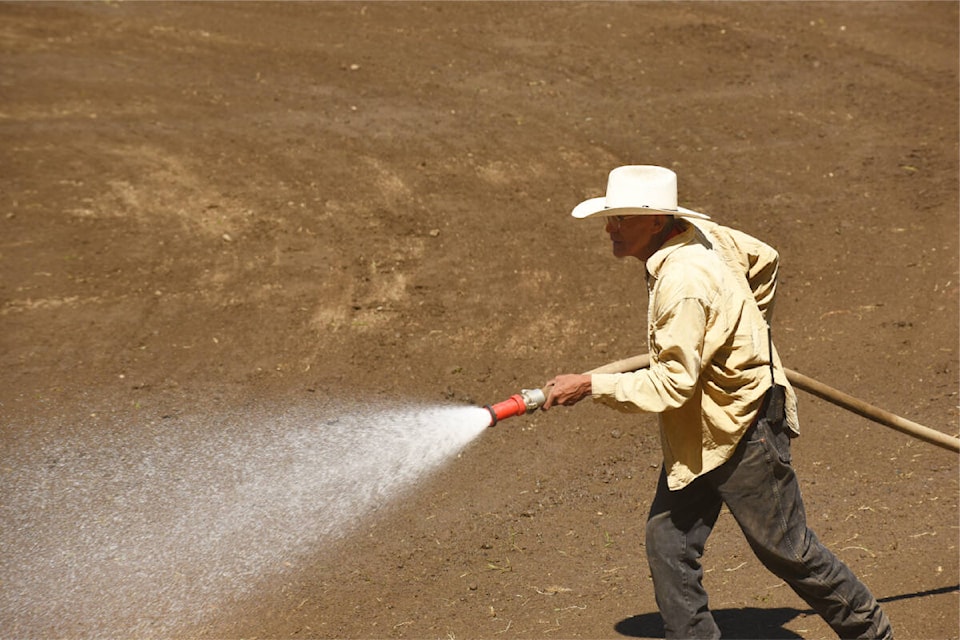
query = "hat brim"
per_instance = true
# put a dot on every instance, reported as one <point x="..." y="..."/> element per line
<point x="598" y="206"/>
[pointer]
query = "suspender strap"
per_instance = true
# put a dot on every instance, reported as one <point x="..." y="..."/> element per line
<point x="773" y="382"/>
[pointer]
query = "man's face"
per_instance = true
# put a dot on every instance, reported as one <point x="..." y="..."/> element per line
<point x="637" y="236"/>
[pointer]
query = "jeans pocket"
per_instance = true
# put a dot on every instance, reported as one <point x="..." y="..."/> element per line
<point x="778" y="439"/>
<point x="774" y="418"/>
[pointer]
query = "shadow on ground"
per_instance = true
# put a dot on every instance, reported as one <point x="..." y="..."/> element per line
<point x="749" y="622"/>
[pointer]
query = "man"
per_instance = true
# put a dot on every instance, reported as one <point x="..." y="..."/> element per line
<point x="727" y="412"/>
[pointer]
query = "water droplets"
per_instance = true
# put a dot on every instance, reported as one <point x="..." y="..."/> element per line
<point x="123" y="531"/>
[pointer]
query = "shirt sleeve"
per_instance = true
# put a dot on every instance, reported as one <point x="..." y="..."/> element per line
<point x="671" y="379"/>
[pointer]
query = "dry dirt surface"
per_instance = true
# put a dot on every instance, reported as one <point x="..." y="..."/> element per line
<point x="211" y="208"/>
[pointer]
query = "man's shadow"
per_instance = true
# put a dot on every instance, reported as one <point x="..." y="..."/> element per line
<point x="744" y="623"/>
<point x="748" y="622"/>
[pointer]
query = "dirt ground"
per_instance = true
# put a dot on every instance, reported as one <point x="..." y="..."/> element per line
<point x="205" y="204"/>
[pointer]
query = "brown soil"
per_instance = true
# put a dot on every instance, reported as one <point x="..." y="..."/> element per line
<point x="204" y="205"/>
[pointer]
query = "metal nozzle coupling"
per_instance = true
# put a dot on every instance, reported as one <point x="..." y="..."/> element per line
<point x="527" y="401"/>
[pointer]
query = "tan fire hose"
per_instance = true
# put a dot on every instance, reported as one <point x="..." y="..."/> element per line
<point x="829" y="394"/>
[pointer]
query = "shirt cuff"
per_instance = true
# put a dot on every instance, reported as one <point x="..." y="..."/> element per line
<point x="604" y="384"/>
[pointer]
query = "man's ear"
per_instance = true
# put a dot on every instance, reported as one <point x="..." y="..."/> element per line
<point x="659" y="223"/>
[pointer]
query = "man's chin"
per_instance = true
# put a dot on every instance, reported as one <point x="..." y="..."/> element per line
<point x="623" y="253"/>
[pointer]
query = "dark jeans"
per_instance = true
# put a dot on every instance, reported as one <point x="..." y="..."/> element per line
<point x="760" y="488"/>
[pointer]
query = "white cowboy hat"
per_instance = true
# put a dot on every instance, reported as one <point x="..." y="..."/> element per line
<point x="637" y="190"/>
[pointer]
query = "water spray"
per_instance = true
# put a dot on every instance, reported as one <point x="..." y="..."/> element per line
<point x="121" y="531"/>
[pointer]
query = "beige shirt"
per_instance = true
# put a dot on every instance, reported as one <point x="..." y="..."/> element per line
<point x="711" y="293"/>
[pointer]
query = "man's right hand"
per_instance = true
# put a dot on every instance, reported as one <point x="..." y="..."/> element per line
<point x="567" y="389"/>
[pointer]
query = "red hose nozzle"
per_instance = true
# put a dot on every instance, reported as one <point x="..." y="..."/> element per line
<point x="527" y="401"/>
<point x="512" y="406"/>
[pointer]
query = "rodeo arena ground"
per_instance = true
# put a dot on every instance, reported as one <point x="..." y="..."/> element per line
<point x="263" y="265"/>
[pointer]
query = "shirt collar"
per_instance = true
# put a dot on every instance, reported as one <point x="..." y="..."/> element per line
<point x="659" y="257"/>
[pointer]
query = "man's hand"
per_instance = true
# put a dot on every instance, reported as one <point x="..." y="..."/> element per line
<point x="567" y="389"/>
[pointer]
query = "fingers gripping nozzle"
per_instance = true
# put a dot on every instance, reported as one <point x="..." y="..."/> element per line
<point x="527" y="401"/>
